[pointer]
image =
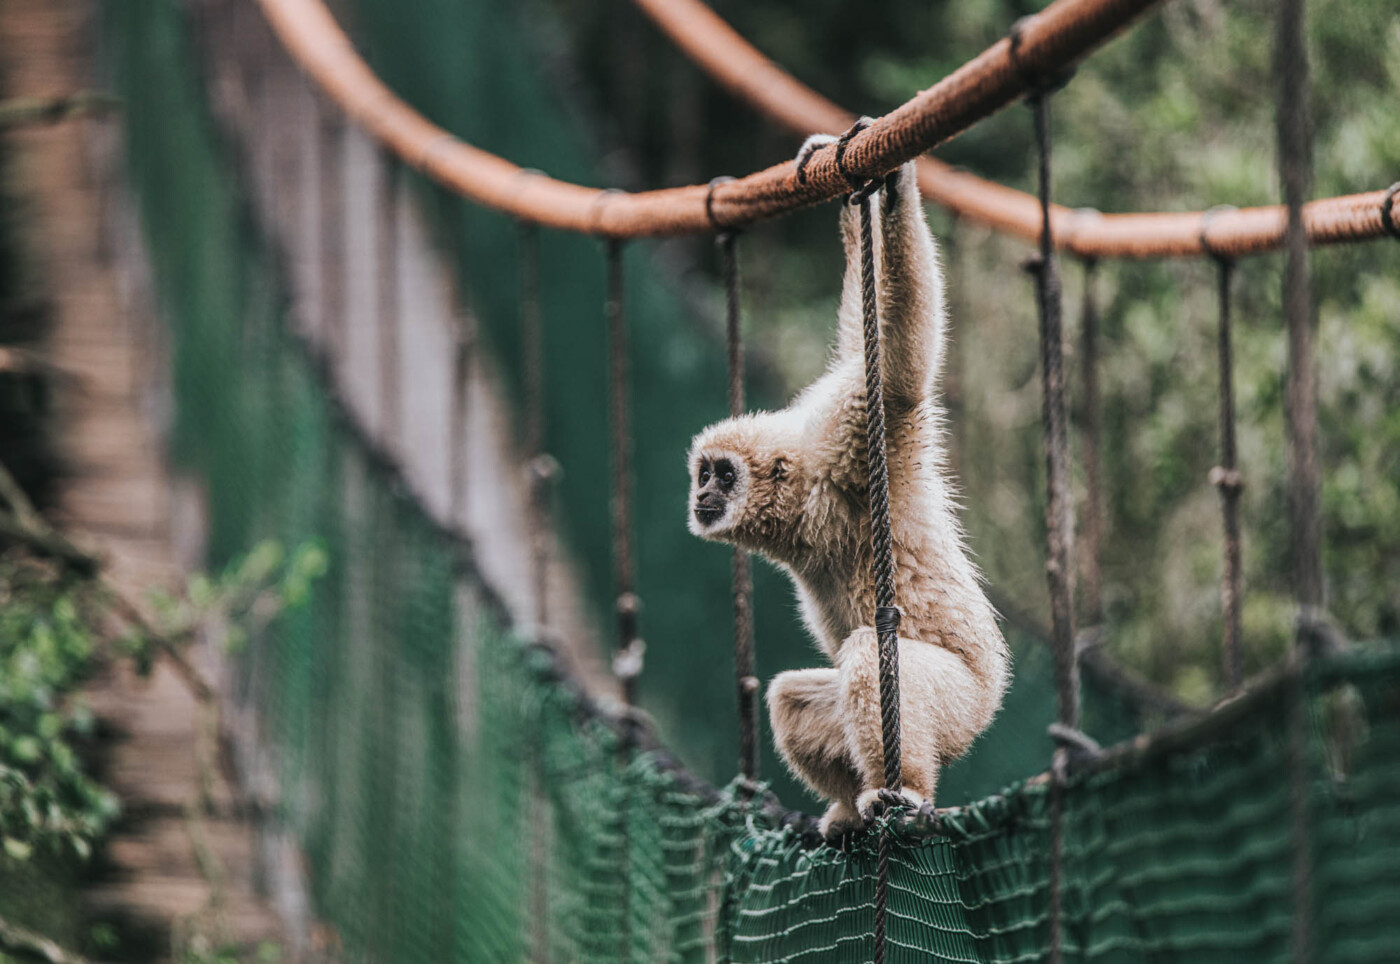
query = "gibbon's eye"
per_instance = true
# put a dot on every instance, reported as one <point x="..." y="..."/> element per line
<point x="726" y="475"/>
<point x="704" y="475"/>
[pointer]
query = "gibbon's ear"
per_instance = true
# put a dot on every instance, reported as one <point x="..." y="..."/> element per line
<point x="850" y="337"/>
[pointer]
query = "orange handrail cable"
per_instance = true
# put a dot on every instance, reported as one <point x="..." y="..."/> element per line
<point x="719" y="50"/>
<point x="1050" y="41"/>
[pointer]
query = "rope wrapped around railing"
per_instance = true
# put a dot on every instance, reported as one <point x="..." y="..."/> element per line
<point x="1053" y="39"/>
<point x="735" y="64"/>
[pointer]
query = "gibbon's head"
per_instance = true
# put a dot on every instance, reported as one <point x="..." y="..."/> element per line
<point x="732" y="478"/>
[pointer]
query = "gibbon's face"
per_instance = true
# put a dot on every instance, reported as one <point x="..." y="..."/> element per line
<point x="719" y="483"/>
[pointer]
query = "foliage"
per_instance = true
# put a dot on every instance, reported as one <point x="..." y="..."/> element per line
<point x="53" y="627"/>
<point x="46" y="650"/>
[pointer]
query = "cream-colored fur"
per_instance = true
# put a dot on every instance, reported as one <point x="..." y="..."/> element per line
<point x="799" y="495"/>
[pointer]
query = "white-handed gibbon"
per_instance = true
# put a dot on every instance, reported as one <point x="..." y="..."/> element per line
<point x="793" y="485"/>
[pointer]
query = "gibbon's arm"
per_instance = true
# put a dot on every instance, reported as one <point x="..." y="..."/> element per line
<point x="910" y="285"/>
<point x="909" y="293"/>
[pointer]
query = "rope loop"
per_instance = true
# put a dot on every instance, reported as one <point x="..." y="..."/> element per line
<point x="857" y="184"/>
<point x="595" y="210"/>
<point x="1388" y="219"/>
<point x="1040" y="85"/>
<point x="720" y="229"/>
<point x="1207" y="217"/>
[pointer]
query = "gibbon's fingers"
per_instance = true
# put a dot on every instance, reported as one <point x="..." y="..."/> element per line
<point x="910" y="294"/>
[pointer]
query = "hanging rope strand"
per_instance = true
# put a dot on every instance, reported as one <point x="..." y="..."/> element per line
<point x="1295" y="174"/>
<point x="627" y="663"/>
<point x="745" y="679"/>
<point x="1227" y="479"/>
<point x="1059" y="514"/>
<point x="540" y="467"/>
<point x="1059" y="511"/>
<point x="882" y="544"/>
<point x="1093" y="514"/>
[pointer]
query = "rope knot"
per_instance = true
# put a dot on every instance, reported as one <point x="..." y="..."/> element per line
<point x="1039" y="83"/>
<point x="627" y="662"/>
<point x="1227" y="480"/>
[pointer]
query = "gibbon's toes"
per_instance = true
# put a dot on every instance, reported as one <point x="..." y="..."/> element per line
<point x="874" y="803"/>
<point x="838" y="821"/>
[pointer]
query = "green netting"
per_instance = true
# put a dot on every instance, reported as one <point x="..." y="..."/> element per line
<point x="458" y="801"/>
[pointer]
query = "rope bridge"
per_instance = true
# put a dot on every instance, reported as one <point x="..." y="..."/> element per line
<point x="460" y="797"/>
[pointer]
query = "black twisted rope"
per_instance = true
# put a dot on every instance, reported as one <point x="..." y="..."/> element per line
<point x="746" y="681"/>
<point x="1059" y="516"/>
<point x="882" y="544"/>
<point x="1226" y="476"/>
<point x="540" y="467"/>
<point x="627" y="660"/>
<point x="1295" y="162"/>
<point x="1093" y="408"/>
<point x="540" y="474"/>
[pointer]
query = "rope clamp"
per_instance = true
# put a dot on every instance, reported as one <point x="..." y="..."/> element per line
<point x="887" y="620"/>
<point x="720" y="229"/>
<point x="1207" y="217"/>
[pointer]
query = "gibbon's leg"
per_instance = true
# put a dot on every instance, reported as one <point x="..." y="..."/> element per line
<point x="805" y="711"/>
<point x="942" y="708"/>
<point x="910" y="294"/>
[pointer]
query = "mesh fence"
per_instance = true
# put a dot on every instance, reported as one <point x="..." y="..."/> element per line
<point x="459" y="800"/>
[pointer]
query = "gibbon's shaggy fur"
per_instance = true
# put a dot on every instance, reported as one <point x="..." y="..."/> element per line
<point x="793" y="485"/>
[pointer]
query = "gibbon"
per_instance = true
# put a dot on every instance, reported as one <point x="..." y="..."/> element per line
<point x="793" y="486"/>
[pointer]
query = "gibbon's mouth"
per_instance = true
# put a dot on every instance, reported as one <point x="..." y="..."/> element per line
<point x="708" y="515"/>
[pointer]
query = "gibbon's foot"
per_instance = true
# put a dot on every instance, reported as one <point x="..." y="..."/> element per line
<point x="871" y="803"/>
<point x="838" y="821"/>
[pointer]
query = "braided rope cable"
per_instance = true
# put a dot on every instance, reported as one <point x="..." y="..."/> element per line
<point x="1229" y="482"/>
<point x="1295" y="162"/>
<point x="1093" y="464"/>
<point x="736" y="65"/>
<point x="1063" y="32"/>
<point x="882" y="545"/>
<point x="746" y="682"/>
<point x="627" y="659"/>
<point x="1059" y="518"/>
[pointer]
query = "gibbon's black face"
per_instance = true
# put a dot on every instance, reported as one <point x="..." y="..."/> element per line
<point x="714" y="485"/>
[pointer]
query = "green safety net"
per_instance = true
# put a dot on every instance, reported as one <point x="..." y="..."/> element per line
<point x="459" y="799"/>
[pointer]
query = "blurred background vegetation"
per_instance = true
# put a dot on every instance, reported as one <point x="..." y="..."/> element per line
<point x="1175" y="115"/>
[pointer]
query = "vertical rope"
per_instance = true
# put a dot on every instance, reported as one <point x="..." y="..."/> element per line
<point x="745" y="680"/>
<point x="1295" y="174"/>
<point x="539" y="469"/>
<point x="1093" y="419"/>
<point x="627" y="663"/>
<point x="627" y="660"/>
<point x="882" y="544"/>
<point x="387" y="230"/>
<point x="1227" y="479"/>
<point x="331" y="164"/>
<point x="1059" y="518"/>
